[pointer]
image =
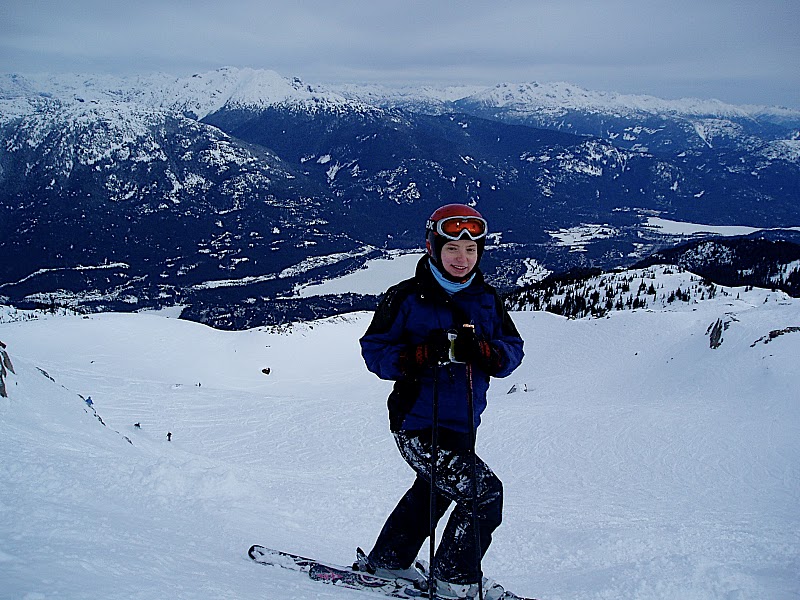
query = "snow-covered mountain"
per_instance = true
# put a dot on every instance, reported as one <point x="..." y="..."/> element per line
<point x="687" y="273"/>
<point x="202" y="94"/>
<point x="640" y="122"/>
<point x="562" y="96"/>
<point x="228" y="188"/>
<point x="197" y="96"/>
<point x="649" y="454"/>
<point x="656" y="288"/>
<point x="258" y="88"/>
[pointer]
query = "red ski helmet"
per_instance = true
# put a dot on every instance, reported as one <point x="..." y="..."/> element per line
<point x="454" y="222"/>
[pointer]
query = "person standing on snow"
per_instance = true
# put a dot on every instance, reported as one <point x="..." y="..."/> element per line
<point x="434" y="335"/>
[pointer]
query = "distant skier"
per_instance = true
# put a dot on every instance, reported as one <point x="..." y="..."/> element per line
<point x="434" y="335"/>
<point x="169" y="436"/>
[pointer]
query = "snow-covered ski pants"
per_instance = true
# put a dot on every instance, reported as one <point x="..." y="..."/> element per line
<point x="408" y="526"/>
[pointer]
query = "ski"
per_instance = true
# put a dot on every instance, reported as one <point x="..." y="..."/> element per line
<point x="357" y="580"/>
<point x="333" y="574"/>
<point x="285" y="560"/>
<point x="349" y="578"/>
<point x="393" y="588"/>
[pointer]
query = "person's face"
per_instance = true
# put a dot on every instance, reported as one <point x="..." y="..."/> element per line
<point x="459" y="257"/>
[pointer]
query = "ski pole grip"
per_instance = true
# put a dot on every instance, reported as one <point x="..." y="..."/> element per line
<point x="451" y="351"/>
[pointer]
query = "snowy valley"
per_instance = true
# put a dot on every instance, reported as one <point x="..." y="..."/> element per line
<point x="653" y="453"/>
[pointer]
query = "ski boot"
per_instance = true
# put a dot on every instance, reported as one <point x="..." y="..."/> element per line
<point x="456" y="591"/>
<point x="416" y="574"/>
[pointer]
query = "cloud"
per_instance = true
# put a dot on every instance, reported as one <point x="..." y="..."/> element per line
<point x="738" y="50"/>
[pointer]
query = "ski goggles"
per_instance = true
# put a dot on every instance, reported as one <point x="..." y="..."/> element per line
<point x="455" y="228"/>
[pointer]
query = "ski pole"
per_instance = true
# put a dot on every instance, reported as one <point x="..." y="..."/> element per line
<point x="434" y="457"/>
<point x="473" y="441"/>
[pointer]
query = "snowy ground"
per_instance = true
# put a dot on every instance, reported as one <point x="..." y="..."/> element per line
<point x="639" y="463"/>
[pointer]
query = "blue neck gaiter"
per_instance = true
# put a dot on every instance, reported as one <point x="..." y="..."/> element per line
<point x="451" y="287"/>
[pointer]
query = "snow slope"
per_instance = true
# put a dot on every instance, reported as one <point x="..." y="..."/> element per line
<point x="638" y="462"/>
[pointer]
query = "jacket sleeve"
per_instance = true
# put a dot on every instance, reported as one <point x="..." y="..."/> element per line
<point x="383" y="344"/>
<point x="507" y="342"/>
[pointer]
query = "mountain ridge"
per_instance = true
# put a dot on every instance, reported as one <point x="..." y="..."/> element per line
<point x="259" y="88"/>
<point x="242" y="175"/>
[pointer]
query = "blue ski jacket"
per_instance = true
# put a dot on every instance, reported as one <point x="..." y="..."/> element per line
<point x="409" y="312"/>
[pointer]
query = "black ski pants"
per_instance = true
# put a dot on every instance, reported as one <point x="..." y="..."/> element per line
<point x="408" y="525"/>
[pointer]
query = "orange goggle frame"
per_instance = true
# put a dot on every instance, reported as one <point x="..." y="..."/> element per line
<point x="455" y="228"/>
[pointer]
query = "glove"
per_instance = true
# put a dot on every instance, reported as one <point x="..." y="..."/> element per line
<point x="475" y="350"/>
<point x="435" y="351"/>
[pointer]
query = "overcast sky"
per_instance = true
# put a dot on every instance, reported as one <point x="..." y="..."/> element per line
<point x="739" y="51"/>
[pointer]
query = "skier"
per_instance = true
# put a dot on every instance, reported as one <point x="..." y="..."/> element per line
<point x="435" y="335"/>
